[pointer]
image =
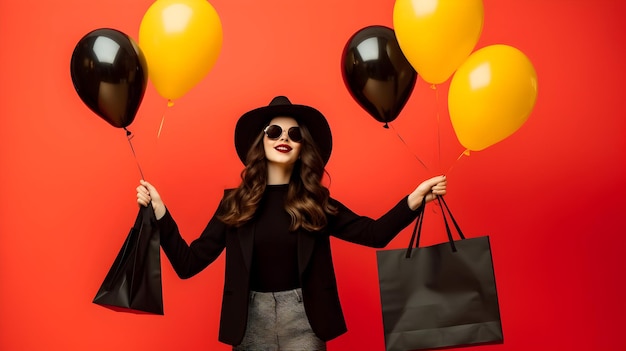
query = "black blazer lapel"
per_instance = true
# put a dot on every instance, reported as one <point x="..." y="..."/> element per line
<point x="246" y="240"/>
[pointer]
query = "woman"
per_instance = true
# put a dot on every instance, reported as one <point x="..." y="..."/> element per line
<point x="280" y="291"/>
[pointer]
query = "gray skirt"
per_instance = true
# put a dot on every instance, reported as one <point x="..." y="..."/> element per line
<point x="277" y="322"/>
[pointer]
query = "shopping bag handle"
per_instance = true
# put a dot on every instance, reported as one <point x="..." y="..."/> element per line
<point x="417" y="229"/>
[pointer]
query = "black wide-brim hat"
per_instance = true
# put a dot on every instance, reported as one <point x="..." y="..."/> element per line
<point x="253" y="122"/>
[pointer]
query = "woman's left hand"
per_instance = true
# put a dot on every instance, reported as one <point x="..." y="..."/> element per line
<point x="430" y="189"/>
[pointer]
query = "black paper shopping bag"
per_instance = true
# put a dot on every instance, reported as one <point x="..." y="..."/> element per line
<point x="133" y="283"/>
<point x="439" y="296"/>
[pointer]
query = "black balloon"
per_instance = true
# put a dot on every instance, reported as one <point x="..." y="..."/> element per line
<point x="110" y="75"/>
<point x="376" y="72"/>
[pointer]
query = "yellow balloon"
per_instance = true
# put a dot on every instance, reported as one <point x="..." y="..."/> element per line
<point x="491" y="96"/>
<point x="436" y="36"/>
<point x="181" y="40"/>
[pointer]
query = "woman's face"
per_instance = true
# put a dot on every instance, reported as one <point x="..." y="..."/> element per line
<point x="282" y="150"/>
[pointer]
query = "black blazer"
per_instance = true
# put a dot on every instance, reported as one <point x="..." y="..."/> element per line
<point x="319" y="287"/>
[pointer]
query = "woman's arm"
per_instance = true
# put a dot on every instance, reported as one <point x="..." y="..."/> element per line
<point x="187" y="260"/>
<point x="363" y="230"/>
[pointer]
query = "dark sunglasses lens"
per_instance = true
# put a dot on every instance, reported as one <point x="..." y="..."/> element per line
<point x="294" y="134"/>
<point x="274" y="132"/>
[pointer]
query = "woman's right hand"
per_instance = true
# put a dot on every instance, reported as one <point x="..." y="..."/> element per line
<point x="147" y="193"/>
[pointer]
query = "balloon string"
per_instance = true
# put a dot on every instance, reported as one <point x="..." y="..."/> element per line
<point x="129" y="136"/>
<point x="161" y="126"/>
<point x="407" y="146"/>
<point x="465" y="152"/>
<point x="434" y="87"/>
<point x="169" y="104"/>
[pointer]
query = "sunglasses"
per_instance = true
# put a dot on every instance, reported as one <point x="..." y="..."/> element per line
<point x="274" y="132"/>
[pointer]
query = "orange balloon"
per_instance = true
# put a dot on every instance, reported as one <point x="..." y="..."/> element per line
<point x="436" y="36"/>
<point x="491" y="96"/>
<point x="181" y="40"/>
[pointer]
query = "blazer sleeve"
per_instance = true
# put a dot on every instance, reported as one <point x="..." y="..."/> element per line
<point x="190" y="259"/>
<point x="367" y="231"/>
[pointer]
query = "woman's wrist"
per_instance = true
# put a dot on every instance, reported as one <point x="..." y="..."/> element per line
<point x="414" y="201"/>
<point x="159" y="210"/>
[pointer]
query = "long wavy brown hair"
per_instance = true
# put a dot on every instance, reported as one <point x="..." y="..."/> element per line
<point x="307" y="199"/>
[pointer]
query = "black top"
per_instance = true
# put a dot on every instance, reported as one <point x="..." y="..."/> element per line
<point x="275" y="258"/>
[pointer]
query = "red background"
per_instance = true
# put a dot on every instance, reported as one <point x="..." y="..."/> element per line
<point x="550" y="196"/>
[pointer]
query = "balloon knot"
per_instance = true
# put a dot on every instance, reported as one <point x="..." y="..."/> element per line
<point x="386" y="126"/>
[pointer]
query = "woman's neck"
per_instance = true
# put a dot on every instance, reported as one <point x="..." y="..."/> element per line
<point x="278" y="174"/>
